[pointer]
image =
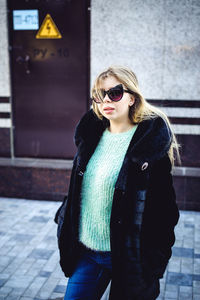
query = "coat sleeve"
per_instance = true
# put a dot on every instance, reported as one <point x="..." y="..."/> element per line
<point x="160" y="217"/>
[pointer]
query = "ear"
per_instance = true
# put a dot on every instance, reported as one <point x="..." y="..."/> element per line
<point x="132" y="101"/>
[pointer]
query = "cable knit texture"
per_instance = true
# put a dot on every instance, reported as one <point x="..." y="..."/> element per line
<point x="98" y="188"/>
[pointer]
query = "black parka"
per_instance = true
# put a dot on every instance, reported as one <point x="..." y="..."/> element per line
<point x="144" y="211"/>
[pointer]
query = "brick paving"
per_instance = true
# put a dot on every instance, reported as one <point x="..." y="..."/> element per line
<point x="29" y="261"/>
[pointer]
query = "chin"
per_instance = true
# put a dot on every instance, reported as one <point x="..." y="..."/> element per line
<point x="109" y="117"/>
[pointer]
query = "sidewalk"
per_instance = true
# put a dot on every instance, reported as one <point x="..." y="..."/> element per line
<point x="29" y="262"/>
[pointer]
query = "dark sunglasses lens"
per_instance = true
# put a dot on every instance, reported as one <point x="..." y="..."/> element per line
<point x="116" y="94"/>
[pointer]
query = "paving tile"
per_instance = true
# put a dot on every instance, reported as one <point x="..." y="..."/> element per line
<point x="196" y="277"/>
<point x="19" y="237"/>
<point x="60" y="289"/>
<point x="52" y="263"/>
<point x="4" y="276"/>
<point x="183" y="252"/>
<point x="171" y="287"/>
<point x="4" y="291"/>
<point x="185" y="292"/>
<point x="63" y="281"/>
<point x="26" y="251"/>
<point x="15" y="249"/>
<point x="19" y="281"/>
<point x="35" y="286"/>
<point x="12" y="297"/>
<point x="17" y="291"/>
<point x="39" y="219"/>
<point x="171" y="294"/>
<point x="184" y="296"/>
<point x="5" y="260"/>
<point x="188" y="242"/>
<point x="187" y="265"/>
<point x="44" y="211"/>
<point x="196" y="290"/>
<point x="197" y="266"/>
<point x="26" y="265"/>
<point x="185" y="289"/>
<point x="174" y="264"/>
<point x="179" y="279"/>
<point x="196" y="237"/>
<point x="56" y="296"/>
<point x="4" y="250"/>
<point x="37" y="267"/>
<point x="2" y="282"/>
<point x="41" y="253"/>
<point x="44" y="274"/>
<point x="47" y="288"/>
<point x="189" y="225"/>
<point x="14" y="265"/>
<point x="196" y="284"/>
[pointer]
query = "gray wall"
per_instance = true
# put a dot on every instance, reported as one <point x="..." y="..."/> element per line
<point x="158" y="39"/>
<point x="4" y="55"/>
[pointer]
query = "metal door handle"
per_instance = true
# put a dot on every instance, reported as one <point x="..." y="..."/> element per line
<point x="26" y="61"/>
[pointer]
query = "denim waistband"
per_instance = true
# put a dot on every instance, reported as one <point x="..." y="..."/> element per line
<point x="85" y="248"/>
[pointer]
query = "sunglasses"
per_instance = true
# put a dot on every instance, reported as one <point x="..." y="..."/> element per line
<point x="115" y="94"/>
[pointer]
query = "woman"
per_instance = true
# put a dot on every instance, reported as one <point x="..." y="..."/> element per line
<point x="118" y="220"/>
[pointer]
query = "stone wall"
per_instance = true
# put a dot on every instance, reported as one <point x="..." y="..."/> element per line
<point x="4" y="53"/>
<point x="158" y="39"/>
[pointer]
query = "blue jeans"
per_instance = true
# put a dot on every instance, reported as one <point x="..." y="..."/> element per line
<point x="91" y="276"/>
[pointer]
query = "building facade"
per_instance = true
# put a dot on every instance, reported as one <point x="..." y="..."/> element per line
<point x="159" y="40"/>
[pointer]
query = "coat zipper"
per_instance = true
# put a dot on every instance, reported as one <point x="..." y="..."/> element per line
<point x="80" y="173"/>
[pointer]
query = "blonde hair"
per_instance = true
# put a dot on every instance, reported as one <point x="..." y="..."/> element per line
<point x="141" y="110"/>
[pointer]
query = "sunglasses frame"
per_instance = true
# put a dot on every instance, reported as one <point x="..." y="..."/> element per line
<point x="120" y="87"/>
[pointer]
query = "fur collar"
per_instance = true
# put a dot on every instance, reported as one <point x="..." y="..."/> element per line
<point x="151" y="141"/>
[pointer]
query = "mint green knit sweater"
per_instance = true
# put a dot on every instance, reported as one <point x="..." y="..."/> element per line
<point x="98" y="188"/>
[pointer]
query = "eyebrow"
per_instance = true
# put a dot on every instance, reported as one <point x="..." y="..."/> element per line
<point x="111" y="87"/>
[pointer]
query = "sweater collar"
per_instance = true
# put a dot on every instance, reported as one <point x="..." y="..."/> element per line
<point x="150" y="142"/>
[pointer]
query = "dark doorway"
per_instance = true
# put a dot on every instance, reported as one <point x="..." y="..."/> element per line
<point x="49" y="55"/>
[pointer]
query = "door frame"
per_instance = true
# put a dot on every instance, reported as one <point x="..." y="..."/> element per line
<point x="10" y="43"/>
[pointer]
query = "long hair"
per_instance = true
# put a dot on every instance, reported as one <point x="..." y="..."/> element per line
<point x="141" y="110"/>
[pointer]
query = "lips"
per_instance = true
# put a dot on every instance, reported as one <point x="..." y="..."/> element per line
<point x="108" y="108"/>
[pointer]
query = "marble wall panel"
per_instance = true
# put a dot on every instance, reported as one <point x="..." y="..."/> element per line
<point x="4" y="54"/>
<point x="159" y="40"/>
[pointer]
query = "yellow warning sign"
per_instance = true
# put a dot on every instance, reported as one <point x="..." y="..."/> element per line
<point x="48" y="29"/>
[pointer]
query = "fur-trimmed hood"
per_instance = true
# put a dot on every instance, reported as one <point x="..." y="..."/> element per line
<point x="150" y="142"/>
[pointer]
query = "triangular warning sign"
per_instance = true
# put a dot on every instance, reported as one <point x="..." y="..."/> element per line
<point x="48" y="29"/>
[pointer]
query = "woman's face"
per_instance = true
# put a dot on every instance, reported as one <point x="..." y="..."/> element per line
<point x="116" y="111"/>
